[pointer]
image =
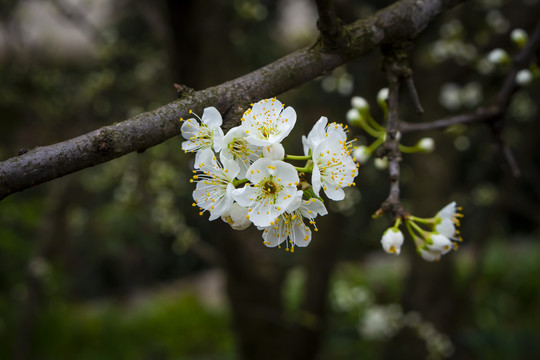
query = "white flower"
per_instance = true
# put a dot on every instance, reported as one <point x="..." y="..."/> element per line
<point x="274" y="152"/>
<point x="267" y="123"/>
<point x="524" y="77"/>
<point x="236" y="217"/>
<point x="236" y="147"/>
<point x="447" y="220"/>
<point x="361" y="154"/>
<point x="206" y="135"/>
<point x="290" y="225"/>
<point x="273" y="185"/>
<point x="392" y="240"/>
<point x="439" y="243"/>
<point x="214" y="184"/>
<point x="315" y="136"/>
<point x="333" y="165"/>
<point x="426" y="145"/>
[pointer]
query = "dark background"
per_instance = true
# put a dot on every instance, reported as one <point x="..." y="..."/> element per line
<point x="114" y="263"/>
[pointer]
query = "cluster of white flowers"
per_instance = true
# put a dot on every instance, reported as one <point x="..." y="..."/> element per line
<point x="441" y="237"/>
<point x="243" y="177"/>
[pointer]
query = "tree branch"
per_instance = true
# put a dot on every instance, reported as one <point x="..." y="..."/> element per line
<point x="501" y="101"/>
<point x="401" y="21"/>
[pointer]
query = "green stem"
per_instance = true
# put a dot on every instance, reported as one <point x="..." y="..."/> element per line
<point x="366" y="126"/>
<point x="297" y="157"/>
<point x="236" y="182"/>
<point x="374" y="145"/>
<point x="306" y="169"/>
<point x="408" y="149"/>
<point x="425" y="221"/>
<point x="375" y="125"/>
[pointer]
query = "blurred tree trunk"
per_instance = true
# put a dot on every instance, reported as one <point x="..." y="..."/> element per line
<point x="255" y="281"/>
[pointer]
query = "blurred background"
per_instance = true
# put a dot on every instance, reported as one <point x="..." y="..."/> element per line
<point x="113" y="262"/>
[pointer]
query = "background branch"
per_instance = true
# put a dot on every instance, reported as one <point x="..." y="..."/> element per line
<point x="400" y="21"/>
<point x="501" y="101"/>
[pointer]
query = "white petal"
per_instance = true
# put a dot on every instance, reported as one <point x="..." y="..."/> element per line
<point x="211" y="117"/>
<point x="316" y="179"/>
<point x="190" y="128"/>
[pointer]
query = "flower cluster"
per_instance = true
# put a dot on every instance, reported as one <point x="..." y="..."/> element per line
<point x="433" y="237"/>
<point x="245" y="178"/>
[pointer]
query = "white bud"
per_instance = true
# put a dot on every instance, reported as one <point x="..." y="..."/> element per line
<point x="519" y="37"/>
<point x="429" y="255"/>
<point x="382" y="95"/>
<point x="426" y="145"/>
<point x="523" y="77"/>
<point x="361" y="154"/>
<point x="498" y="56"/>
<point x="440" y="244"/>
<point x="381" y="164"/>
<point x="392" y="240"/>
<point x="359" y="103"/>
<point x="354" y="117"/>
<point x="275" y="151"/>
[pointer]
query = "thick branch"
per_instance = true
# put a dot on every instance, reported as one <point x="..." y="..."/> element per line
<point x="400" y="21"/>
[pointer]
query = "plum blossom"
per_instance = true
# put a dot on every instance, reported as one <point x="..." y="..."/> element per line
<point x="204" y="135"/>
<point x="237" y="148"/>
<point x="271" y="190"/>
<point x="214" y="189"/>
<point x="333" y="165"/>
<point x="267" y="123"/>
<point x="290" y="225"/>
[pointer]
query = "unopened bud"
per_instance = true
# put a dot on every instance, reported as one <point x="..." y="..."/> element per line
<point x="524" y="77"/>
<point x="354" y="117"/>
<point x="498" y="56"/>
<point x="382" y="96"/>
<point x="519" y="37"/>
<point x="359" y="103"/>
<point x="361" y="154"/>
<point x="426" y="145"/>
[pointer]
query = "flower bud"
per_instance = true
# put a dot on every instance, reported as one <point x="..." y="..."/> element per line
<point x="361" y="154"/>
<point x="523" y="77"/>
<point x="519" y="37"/>
<point x="498" y="56"/>
<point x="439" y="243"/>
<point x="381" y="164"/>
<point x="359" y="103"/>
<point x="426" y="145"/>
<point x="392" y="240"/>
<point x="429" y="255"/>
<point x="382" y="96"/>
<point x="354" y="118"/>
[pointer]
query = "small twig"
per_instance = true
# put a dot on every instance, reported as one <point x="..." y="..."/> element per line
<point x="414" y="94"/>
<point x="391" y="146"/>
<point x="333" y="34"/>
